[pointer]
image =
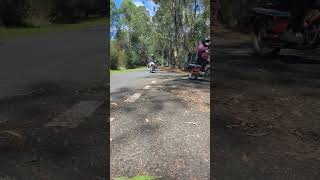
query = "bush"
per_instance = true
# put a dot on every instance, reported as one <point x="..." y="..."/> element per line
<point x="134" y="60"/>
<point x="122" y="58"/>
<point x="62" y="11"/>
<point x="114" y="63"/>
<point x="14" y="12"/>
<point x="69" y="11"/>
<point x="118" y="56"/>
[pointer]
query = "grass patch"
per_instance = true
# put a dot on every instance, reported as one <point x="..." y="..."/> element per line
<point x="122" y="71"/>
<point x="16" y="32"/>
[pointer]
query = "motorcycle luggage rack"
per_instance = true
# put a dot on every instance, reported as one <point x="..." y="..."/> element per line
<point x="195" y="65"/>
<point x="272" y="12"/>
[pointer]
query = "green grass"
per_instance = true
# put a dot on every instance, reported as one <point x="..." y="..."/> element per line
<point x="16" y="32"/>
<point x="122" y="71"/>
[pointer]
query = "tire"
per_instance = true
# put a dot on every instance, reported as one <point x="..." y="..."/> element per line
<point x="258" y="44"/>
<point x="192" y="77"/>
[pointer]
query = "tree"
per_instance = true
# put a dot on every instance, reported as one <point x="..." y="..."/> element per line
<point x="68" y="11"/>
<point x="184" y="23"/>
<point x="171" y="34"/>
<point x="14" y="12"/>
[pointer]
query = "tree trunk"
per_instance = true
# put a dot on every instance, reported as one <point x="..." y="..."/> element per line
<point x="176" y="50"/>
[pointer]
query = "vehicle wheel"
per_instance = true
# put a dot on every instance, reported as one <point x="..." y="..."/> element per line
<point x="192" y="77"/>
<point x="259" y="45"/>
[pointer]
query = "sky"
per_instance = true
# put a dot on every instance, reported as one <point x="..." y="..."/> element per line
<point x="148" y="4"/>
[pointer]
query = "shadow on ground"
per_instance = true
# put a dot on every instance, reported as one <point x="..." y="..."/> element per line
<point x="265" y="114"/>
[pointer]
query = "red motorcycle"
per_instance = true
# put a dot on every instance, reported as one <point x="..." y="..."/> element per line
<point x="195" y="69"/>
<point x="270" y="24"/>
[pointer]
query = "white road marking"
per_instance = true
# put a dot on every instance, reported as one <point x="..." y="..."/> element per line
<point x="76" y="114"/>
<point x="133" y="98"/>
<point x="153" y="82"/>
<point x="147" y="87"/>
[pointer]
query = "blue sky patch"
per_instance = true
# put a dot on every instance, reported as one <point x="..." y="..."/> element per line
<point x="148" y="4"/>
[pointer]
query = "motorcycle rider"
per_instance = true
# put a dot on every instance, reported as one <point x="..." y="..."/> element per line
<point x="202" y="53"/>
<point x="298" y="10"/>
<point x="151" y="59"/>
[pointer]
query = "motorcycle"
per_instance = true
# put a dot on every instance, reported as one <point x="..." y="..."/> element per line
<point x="270" y="24"/>
<point x="195" y="70"/>
<point x="152" y="67"/>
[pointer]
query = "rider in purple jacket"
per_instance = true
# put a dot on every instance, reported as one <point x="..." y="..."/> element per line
<point x="203" y="47"/>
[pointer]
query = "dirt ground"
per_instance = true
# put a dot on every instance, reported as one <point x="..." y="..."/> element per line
<point x="266" y="112"/>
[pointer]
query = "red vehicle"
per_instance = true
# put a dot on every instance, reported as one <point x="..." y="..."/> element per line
<point x="195" y="70"/>
<point x="270" y="24"/>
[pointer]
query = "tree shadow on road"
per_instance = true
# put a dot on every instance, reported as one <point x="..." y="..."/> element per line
<point x="265" y="94"/>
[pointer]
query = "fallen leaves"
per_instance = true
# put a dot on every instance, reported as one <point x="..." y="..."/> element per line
<point x="194" y="97"/>
<point x="11" y="138"/>
<point x="114" y="105"/>
<point x="257" y="134"/>
<point x="12" y="133"/>
<point x="193" y="123"/>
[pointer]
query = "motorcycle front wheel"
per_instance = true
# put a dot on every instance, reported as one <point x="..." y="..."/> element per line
<point x="259" y="46"/>
<point x="192" y="76"/>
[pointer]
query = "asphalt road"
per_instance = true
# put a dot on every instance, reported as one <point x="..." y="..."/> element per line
<point x="53" y="94"/>
<point x="119" y="83"/>
<point x="76" y="57"/>
<point x="266" y="112"/>
<point x="160" y="125"/>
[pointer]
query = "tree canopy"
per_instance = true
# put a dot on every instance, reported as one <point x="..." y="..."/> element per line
<point x="171" y="34"/>
<point x="17" y="12"/>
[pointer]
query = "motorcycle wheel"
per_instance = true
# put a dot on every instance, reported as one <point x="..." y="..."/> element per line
<point x="259" y="45"/>
<point x="192" y="76"/>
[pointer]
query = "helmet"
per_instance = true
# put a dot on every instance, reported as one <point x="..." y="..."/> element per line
<point x="206" y="41"/>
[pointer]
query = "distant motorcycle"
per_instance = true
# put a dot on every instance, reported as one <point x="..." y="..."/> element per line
<point x="152" y="67"/>
<point x="270" y="24"/>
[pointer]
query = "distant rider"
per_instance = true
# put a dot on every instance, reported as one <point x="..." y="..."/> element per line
<point x="151" y="59"/>
<point x="202" y="53"/>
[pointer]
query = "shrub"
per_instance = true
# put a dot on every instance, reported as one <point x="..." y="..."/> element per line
<point x="14" y="12"/>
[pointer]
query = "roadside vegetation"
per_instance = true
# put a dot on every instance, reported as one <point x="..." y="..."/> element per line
<point x="171" y="34"/>
<point x="26" y="17"/>
<point x="124" y="70"/>
<point x="16" y="32"/>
